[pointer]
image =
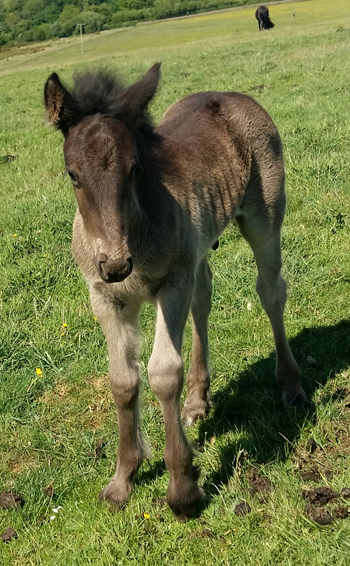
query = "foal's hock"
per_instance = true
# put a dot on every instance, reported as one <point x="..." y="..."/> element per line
<point x="151" y="202"/>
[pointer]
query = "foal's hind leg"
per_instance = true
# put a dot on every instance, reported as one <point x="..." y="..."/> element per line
<point x="198" y="380"/>
<point x="264" y="238"/>
<point x="165" y="371"/>
<point x="119" y="323"/>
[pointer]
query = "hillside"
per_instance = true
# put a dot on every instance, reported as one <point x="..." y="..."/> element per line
<point x="37" y="20"/>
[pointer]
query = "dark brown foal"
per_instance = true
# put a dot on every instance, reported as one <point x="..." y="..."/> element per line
<point x="151" y="203"/>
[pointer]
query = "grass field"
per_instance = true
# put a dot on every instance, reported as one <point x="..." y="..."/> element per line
<point x="57" y="424"/>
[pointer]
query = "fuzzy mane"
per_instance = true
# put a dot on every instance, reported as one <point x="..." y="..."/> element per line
<point x="102" y="92"/>
<point x="97" y="92"/>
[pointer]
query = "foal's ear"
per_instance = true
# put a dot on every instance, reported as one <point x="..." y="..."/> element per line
<point x="62" y="109"/>
<point x="134" y="101"/>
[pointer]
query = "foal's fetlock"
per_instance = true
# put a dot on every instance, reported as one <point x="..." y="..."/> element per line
<point x="184" y="496"/>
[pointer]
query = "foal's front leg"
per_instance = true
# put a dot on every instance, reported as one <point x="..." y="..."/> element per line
<point x="120" y="325"/>
<point x="166" y="372"/>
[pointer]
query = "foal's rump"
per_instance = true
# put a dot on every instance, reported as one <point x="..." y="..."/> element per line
<point x="231" y="153"/>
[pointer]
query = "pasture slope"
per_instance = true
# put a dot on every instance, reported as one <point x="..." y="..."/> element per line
<point x="57" y="418"/>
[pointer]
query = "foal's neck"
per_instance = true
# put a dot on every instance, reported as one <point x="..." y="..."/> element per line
<point x="152" y="215"/>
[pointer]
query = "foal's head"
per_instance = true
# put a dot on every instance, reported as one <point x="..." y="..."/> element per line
<point x="101" y="122"/>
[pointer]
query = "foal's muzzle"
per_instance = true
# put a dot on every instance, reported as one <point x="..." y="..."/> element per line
<point x="114" y="270"/>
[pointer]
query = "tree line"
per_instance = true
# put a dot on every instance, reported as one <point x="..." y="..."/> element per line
<point x="38" y="20"/>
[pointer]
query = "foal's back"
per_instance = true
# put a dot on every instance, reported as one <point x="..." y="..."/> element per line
<point x="229" y="152"/>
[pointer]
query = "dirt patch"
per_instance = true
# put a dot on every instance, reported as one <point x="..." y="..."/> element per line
<point x="100" y="383"/>
<point x="159" y="502"/>
<point x="96" y="413"/>
<point x="336" y="394"/>
<point x="340" y="512"/>
<point x="259" y="484"/>
<point x="319" y="495"/>
<point x="63" y="390"/>
<point x="7" y="158"/>
<point x="242" y="509"/>
<point x="257" y="88"/>
<point x="9" y="534"/>
<point x="315" y="461"/>
<point x="320" y="516"/>
<point x="205" y="533"/>
<point x="51" y="397"/>
<point x="311" y="445"/>
<point x="345" y="493"/>
<point x="316" y="476"/>
<point x="316" y="500"/>
<point x="24" y="463"/>
<point x="98" y="451"/>
<point x="10" y="500"/>
<point x="311" y="476"/>
<point x="86" y="406"/>
<point x="319" y="463"/>
<point x="49" y="491"/>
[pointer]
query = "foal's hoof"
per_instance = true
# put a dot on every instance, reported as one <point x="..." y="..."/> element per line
<point x="116" y="493"/>
<point x="295" y="397"/>
<point x="195" y="409"/>
<point x="184" y="497"/>
<point x="191" y="414"/>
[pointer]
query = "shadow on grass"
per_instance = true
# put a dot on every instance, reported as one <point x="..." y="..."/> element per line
<point x="155" y="470"/>
<point x="253" y="405"/>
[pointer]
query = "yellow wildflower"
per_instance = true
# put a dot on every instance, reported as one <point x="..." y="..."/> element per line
<point x="146" y="515"/>
<point x="39" y="372"/>
<point x="15" y="235"/>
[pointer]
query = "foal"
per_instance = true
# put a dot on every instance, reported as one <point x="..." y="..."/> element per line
<point x="151" y="203"/>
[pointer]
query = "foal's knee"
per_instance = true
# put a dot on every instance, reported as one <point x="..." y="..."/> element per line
<point x="272" y="293"/>
<point x="125" y="388"/>
<point x="166" y="375"/>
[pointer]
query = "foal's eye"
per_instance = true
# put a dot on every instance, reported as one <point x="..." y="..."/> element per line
<point x="73" y="177"/>
<point x="134" y="169"/>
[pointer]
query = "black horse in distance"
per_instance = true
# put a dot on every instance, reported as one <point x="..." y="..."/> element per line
<point x="262" y="15"/>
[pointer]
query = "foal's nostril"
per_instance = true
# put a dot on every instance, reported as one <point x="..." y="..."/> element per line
<point x="102" y="266"/>
<point x="124" y="267"/>
<point x="116" y="270"/>
<point x="129" y="264"/>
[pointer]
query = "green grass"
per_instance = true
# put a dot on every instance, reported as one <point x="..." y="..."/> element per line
<point x="49" y="425"/>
